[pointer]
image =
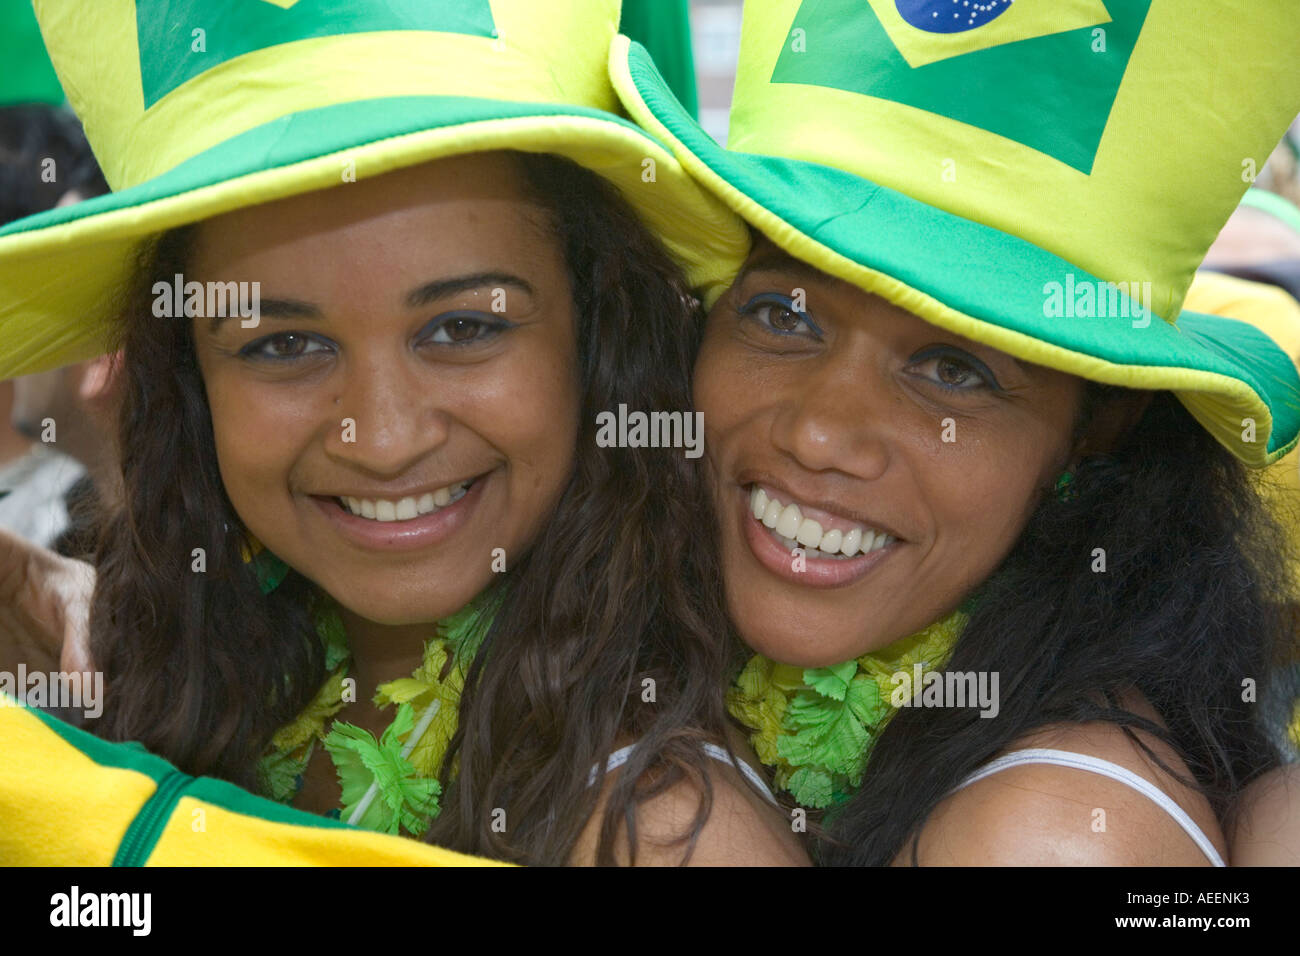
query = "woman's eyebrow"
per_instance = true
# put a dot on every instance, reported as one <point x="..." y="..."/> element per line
<point x="441" y="288"/>
<point x="272" y="309"/>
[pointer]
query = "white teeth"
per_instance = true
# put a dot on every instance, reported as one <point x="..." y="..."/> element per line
<point x="787" y="526"/>
<point x="405" y="509"/>
<point x="810" y="533"/>
<point x="772" y="513"/>
<point x="793" y="530"/>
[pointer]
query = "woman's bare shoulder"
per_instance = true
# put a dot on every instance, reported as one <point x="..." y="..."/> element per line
<point x="1267" y="831"/>
<point x="1046" y="814"/>
<point x="742" y="828"/>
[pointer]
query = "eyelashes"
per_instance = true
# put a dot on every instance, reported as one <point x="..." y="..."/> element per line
<point x="454" y="330"/>
<point x="948" y="367"/>
<point x="283" y="347"/>
<point x="458" y="329"/>
<point x="777" y="314"/>
<point x="951" y="362"/>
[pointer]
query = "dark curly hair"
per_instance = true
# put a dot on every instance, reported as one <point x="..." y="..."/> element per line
<point x="203" y="668"/>
<point x="1192" y="603"/>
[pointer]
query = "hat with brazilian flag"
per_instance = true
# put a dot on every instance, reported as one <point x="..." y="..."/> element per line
<point x="1042" y="176"/>
<point x="198" y="107"/>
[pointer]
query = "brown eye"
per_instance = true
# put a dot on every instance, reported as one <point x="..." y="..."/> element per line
<point x="286" y="345"/>
<point x="954" y="373"/>
<point x="777" y="314"/>
<point x="464" y="330"/>
<point x="283" y="346"/>
<point x="781" y="319"/>
<point x="953" y="369"/>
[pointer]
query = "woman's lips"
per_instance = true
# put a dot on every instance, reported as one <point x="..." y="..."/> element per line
<point x="816" y="572"/>
<point x="411" y="535"/>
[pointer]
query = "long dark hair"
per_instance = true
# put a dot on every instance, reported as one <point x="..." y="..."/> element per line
<point x="1190" y="605"/>
<point x="612" y="627"/>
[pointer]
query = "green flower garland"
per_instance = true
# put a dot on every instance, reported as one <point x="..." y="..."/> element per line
<point x="815" y="727"/>
<point x="390" y="784"/>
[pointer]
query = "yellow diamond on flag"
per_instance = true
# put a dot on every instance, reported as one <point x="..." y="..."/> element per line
<point x="282" y="4"/>
<point x="926" y="31"/>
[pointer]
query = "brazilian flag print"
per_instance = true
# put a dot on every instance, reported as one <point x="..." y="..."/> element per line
<point x="974" y="62"/>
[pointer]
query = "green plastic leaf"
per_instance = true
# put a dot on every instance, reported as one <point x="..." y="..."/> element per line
<point x="403" y="800"/>
<point x="864" y="701"/>
<point x="831" y="682"/>
<point x="812" y="787"/>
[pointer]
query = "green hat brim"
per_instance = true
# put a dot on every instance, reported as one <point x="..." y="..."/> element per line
<point x="977" y="281"/>
<point x="62" y="272"/>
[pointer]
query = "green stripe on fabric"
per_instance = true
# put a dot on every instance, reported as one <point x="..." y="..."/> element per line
<point x="182" y="39"/>
<point x="124" y="756"/>
<point x="229" y="797"/>
<point x="302" y="136"/>
<point x="973" y="268"/>
<point x="142" y="835"/>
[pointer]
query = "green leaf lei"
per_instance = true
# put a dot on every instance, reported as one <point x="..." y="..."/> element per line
<point x="390" y="784"/>
<point x="815" y="727"/>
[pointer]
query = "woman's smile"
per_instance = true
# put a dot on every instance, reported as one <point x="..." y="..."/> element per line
<point x="806" y="544"/>
<point x="395" y="521"/>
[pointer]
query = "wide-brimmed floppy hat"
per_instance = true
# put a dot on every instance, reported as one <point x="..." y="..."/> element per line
<point x="198" y="107"/>
<point x="1034" y="176"/>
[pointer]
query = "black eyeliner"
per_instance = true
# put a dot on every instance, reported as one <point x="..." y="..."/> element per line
<point x="951" y="351"/>
<point x="776" y="298"/>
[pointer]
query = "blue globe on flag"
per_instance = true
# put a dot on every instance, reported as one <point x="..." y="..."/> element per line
<point x="950" y="16"/>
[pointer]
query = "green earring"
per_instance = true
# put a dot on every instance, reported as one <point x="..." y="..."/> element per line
<point x="1065" y="490"/>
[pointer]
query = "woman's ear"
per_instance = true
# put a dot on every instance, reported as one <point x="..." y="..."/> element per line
<point x="1112" y="419"/>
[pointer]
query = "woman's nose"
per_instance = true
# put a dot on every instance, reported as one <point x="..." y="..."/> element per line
<point x="837" y="418"/>
<point x="390" y="416"/>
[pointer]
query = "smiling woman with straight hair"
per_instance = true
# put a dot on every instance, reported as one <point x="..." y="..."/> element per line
<point x="986" y="513"/>
<point x="370" y="559"/>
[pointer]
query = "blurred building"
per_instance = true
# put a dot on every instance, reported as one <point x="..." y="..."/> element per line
<point x="715" y="28"/>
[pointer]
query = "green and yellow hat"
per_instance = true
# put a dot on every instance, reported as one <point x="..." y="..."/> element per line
<point x="1043" y="177"/>
<point x="197" y="107"/>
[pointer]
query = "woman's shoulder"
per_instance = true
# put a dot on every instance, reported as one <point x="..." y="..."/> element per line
<point x="1100" y="801"/>
<point x="743" y="827"/>
<point x="1267" y="831"/>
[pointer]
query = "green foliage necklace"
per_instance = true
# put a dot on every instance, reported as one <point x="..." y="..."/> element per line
<point x="815" y="727"/>
<point x="389" y="784"/>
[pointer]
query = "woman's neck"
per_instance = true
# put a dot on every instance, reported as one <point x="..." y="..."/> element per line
<point x="383" y="652"/>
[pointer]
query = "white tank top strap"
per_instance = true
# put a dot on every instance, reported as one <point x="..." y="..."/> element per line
<point x="621" y="755"/>
<point x="1077" y="761"/>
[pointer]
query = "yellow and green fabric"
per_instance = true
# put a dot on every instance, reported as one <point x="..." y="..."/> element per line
<point x="68" y="798"/>
<point x="197" y="107"/>
<point x="1276" y="314"/>
<point x="990" y="166"/>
